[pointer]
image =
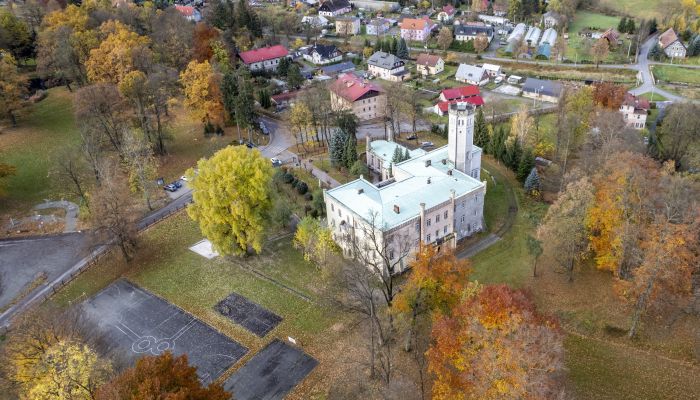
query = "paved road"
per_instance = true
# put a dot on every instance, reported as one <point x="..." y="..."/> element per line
<point x="71" y="218"/>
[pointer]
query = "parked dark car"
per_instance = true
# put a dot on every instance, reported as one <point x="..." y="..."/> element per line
<point x="170" y="187"/>
<point x="178" y="184"/>
<point x="250" y="145"/>
<point x="264" y="129"/>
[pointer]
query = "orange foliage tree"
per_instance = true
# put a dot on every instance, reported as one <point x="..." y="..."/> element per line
<point x="204" y="35"/>
<point x="609" y="95"/>
<point x="495" y="345"/>
<point x="160" y="377"/>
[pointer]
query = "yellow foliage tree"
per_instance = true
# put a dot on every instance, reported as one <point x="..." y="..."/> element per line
<point x="231" y="199"/>
<point x="202" y="93"/>
<point x="12" y="88"/>
<point x="315" y="241"/>
<point x="118" y="53"/>
<point x="67" y="371"/>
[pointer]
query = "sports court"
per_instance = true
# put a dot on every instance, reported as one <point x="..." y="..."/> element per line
<point x="271" y="373"/>
<point x="133" y="322"/>
<point x="251" y="316"/>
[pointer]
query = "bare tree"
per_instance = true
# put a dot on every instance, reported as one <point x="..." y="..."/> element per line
<point x="70" y="170"/>
<point x="100" y="109"/>
<point x="142" y="166"/>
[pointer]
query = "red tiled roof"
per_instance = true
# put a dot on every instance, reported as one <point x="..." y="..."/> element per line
<point x="282" y="97"/>
<point x="460" y="92"/>
<point x="667" y="38"/>
<point x="263" y="54"/>
<point x="449" y="9"/>
<point x="187" y="11"/>
<point x="475" y="100"/>
<point x="413" y="24"/>
<point x="430" y="60"/>
<point x="351" y="87"/>
<point x="636" y="102"/>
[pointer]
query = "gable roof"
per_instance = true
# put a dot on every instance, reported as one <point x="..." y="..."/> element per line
<point x="460" y="92"/>
<point x="414" y="24"/>
<point x="324" y="50"/>
<point x="384" y="60"/>
<point x="263" y="54"/>
<point x="333" y="5"/>
<point x="667" y="38"/>
<point x="471" y="72"/>
<point x="637" y="102"/>
<point x="543" y="87"/>
<point x="449" y="9"/>
<point x="473" y="30"/>
<point x="429" y="60"/>
<point x="474" y="100"/>
<point x="187" y="11"/>
<point x="611" y="35"/>
<point x="351" y="87"/>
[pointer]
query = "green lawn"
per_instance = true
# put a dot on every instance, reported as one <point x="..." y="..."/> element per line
<point x="685" y="91"/>
<point x="33" y="147"/>
<point x="654" y="97"/>
<point x="578" y="48"/>
<point x="671" y="74"/>
<point x="587" y="19"/>
<point x="640" y="9"/>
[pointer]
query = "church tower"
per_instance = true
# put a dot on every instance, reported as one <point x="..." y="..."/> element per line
<point x="460" y="136"/>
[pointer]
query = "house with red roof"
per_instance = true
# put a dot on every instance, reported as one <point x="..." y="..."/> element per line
<point x="264" y="58"/>
<point x="417" y="29"/>
<point x="634" y="111"/>
<point x="447" y="13"/>
<point x="464" y="94"/>
<point x="352" y="93"/>
<point x="190" y="13"/>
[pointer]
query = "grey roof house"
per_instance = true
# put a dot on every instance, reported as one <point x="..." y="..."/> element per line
<point x="542" y="89"/>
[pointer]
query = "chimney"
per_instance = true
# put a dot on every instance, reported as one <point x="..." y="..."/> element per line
<point x="360" y="191"/>
<point x="449" y="172"/>
<point x="396" y="208"/>
<point x="444" y="161"/>
<point x="427" y="163"/>
<point x="428" y="181"/>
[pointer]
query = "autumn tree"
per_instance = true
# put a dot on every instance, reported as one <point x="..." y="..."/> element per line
<point x="203" y="36"/>
<point x="121" y="52"/>
<point x="609" y="95"/>
<point x="231" y="199"/>
<point x="300" y="120"/>
<point x="13" y="88"/>
<point x="102" y="118"/>
<point x="160" y="377"/>
<point x="481" y="43"/>
<point x="495" y="345"/>
<point x="112" y="213"/>
<point x="600" y="51"/>
<point x="563" y="232"/>
<point x="142" y="167"/>
<point x="574" y="112"/>
<point x="522" y="126"/>
<point x="314" y="240"/>
<point x="202" y="93"/>
<point x="15" y="36"/>
<point x="172" y="37"/>
<point x="678" y="136"/>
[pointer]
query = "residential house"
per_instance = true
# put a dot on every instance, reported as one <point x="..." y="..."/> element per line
<point x="472" y="74"/>
<point x="470" y="31"/>
<point x="347" y="26"/>
<point x="364" y="99"/>
<point x="492" y="69"/>
<point x="465" y="94"/>
<point x="264" y="58"/>
<point x="388" y="67"/>
<point x="551" y="19"/>
<point x="612" y="36"/>
<point x="378" y="26"/>
<point x="321" y="54"/>
<point x="315" y="21"/>
<point x="429" y="64"/>
<point x="447" y="13"/>
<point x="376" y="5"/>
<point x="432" y="199"/>
<point x="334" y="8"/>
<point x="672" y="45"/>
<point x="493" y="20"/>
<point x="416" y="29"/>
<point x="542" y="89"/>
<point x="284" y="99"/>
<point x="634" y="111"/>
<point x="190" y="13"/>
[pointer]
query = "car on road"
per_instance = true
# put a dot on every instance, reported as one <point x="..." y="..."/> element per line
<point x="412" y="137"/>
<point x="170" y="187"/>
<point x="426" y="144"/>
<point x="250" y="145"/>
<point x="264" y="129"/>
<point x="276" y="162"/>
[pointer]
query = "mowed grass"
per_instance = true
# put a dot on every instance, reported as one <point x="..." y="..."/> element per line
<point x="653" y="97"/>
<point x="33" y="147"/>
<point x="671" y="74"/>
<point x="587" y="19"/>
<point x="640" y="9"/>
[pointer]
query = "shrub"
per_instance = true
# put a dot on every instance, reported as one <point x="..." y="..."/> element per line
<point x="302" y="188"/>
<point x="308" y="196"/>
<point x="359" y="168"/>
<point x="287" y="178"/>
<point x="295" y="182"/>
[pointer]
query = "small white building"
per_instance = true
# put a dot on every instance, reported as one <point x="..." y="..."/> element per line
<point x="492" y="69"/>
<point x="316" y="21"/>
<point x="493" y="20"/>
<point x="347" y="26"/>
<point x="378" y="26"/>
<point x="471" y="31"/>
<point x="634" y="111"/>
<point x="472" y="74"/>
<point x="264" y="58"/>
<point x="334" y="8"/>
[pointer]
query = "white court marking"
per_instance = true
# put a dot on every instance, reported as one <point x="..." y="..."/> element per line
<point x="204" y="249"/>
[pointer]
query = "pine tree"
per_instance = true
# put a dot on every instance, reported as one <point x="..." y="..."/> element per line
<point x="406" y="155"/>
<point x="338" y="146"/>
<point x="532" y="182"/>
<point x="283" y="66"/>
<point x="396" y="158"/>
<point x="631" y="26"/>
<point x="653" y="26"/>
<point x="527" y="162"/>
<point x="294" y="78"/>
<point x="229" y="92"/>
<point x="402" y="49"/>
<point x="499" y="145"/>
<point x="480" y="132"/>
<point x="622" y="26"/>
<point x="393" y="46"/>
<point x="350" y="152"/>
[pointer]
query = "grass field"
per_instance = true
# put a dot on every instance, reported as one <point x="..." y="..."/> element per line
<point x="685" y="91"/>
<point x="578" y="48"/>
<point x="671" y="74"/>
<point x="640" y="9"/>
<point x="654" y="97"/>
<point x="587" y="19"/>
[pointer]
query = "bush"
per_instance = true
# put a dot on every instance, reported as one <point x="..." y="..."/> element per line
<point x="302" y="188"/>
<point x="359" y="168"/>
<point x="287" y="178"/>
<point x="295" y="182"/>
<point x="308" y="196"/>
